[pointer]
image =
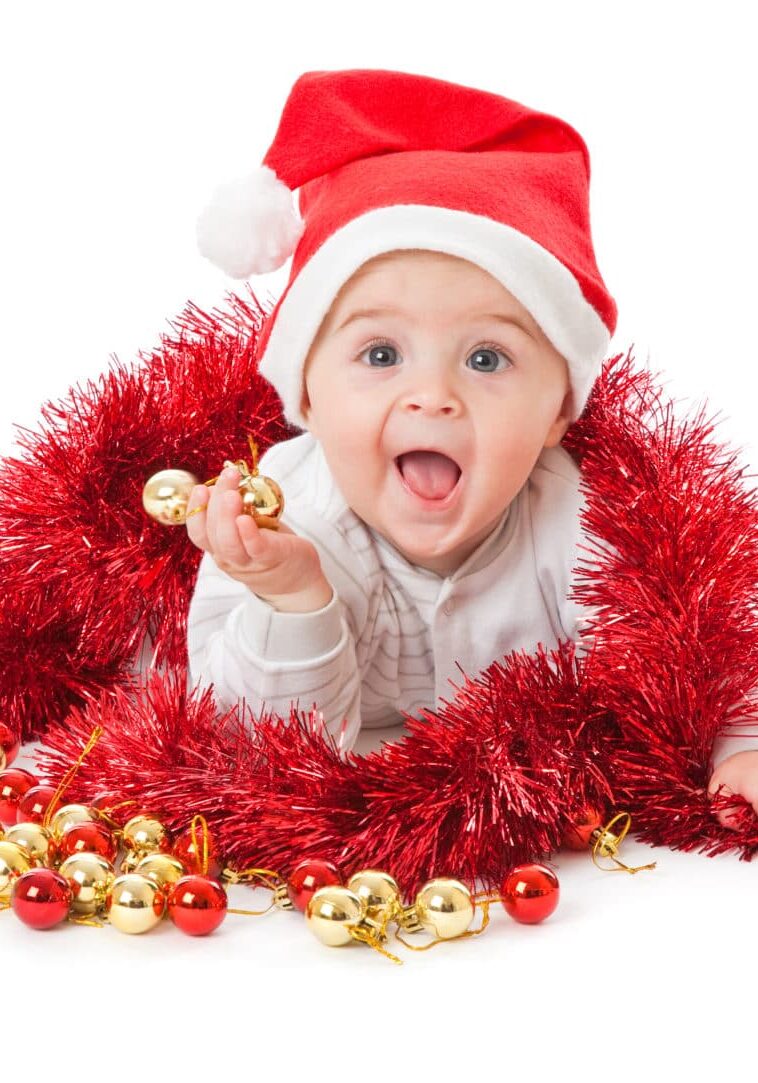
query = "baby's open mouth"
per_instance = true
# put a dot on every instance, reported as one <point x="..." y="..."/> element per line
<point x="429" y="474"/>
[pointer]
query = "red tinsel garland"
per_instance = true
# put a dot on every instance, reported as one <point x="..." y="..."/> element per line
<point x="489" y="779"/>
<point x="85" y="573"/>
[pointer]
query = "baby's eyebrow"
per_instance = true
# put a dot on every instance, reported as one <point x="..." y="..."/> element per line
<point x="370" y="313"/>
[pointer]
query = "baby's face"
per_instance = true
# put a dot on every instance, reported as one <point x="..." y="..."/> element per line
<point x="453" y="361"/>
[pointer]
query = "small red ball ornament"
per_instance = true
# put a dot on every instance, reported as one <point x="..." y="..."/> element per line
<point x="191" y="855"/>
<point x="197" y="905"/>
<point x="578" y="834"/>
<point x="41" y="898"/>
<point x="307" y="877"/>
<point x="530" y="892"/>
<point x="14" y="782"/>
<point x="9" y="746"/>
<point x="33" y="805"/>
<point x="88" y="837"/>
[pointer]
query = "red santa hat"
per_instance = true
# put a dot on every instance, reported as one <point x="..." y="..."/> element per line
<point x="388" y="160"/>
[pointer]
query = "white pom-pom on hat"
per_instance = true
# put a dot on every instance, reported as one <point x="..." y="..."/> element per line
<point x="250" y="226"/>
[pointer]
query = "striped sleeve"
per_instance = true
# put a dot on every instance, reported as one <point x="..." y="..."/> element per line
<point x="247" y="650"/>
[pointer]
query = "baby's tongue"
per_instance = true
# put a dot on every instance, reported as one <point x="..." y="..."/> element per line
<point x="428" y="473"/>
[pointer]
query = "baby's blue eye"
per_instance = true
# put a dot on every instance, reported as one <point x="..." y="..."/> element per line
<point x="490" y="357"/>
<point x="378" y="355"/>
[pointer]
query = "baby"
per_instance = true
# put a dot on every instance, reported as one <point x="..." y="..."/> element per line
<point x="441" y="329"/>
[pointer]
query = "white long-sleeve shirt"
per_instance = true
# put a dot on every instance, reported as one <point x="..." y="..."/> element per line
<point x="391" y="635"/>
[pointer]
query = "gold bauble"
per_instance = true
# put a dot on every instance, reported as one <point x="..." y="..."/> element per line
<point x="69" y="814"/>
<point x="263" y="499"/>
<point x="13" y="862"/>
<point x="3" y="762"/>
<point x="329" y="912"/>
<point x="134" y="903"/>
<point x="444" y="907"/>
<point x="146" y="835"/>
<point x="378" y="890"/>
<point x="90" y="876"/>
<point x="35" y="839"/>
<point x="163" y="869"/>
<point x="166" y="495"/>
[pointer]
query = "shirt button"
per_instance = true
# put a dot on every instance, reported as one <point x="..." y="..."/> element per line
<point x="448" y="608"/>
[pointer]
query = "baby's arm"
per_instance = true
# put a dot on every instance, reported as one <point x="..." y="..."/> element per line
<point x="265" y="624"/>
<point x="249" y="649"/>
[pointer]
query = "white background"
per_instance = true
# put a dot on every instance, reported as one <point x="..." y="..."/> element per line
<point x="117" y="122"/>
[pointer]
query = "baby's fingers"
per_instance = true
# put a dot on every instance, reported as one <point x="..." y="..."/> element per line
<point x="228" y="542"/>
<point x="255" y="539"/>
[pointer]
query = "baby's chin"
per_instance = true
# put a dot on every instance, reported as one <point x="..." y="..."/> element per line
<point x="431" y="547"/>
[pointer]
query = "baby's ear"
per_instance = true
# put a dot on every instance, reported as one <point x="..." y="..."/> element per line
<point x="558" y="429"/>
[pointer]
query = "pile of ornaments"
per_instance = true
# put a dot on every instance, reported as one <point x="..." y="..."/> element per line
<point x="75" y="862"/>
<point x="63" y="864"/>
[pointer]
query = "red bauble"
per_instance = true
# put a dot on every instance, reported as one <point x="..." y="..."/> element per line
<point x="88" y="837"/>
<point x="41" y="898"/>
<point x="192" y="857"/>
<point x="9" y="745"/>
<point x="33" y="805"/>
<point x="578" y="834"/>
<point x="197" y="905"/>
<point x="307" y="877"/>
<point x="530" y="892"/>
<point x="14" y="782"/>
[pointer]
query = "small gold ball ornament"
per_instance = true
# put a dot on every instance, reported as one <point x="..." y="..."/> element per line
<point x="166" y="495"/>
<point x="69" y="814"/>
<point x="146" y="835"/>
<point x="262" y="498"/>
<point x="331" y="910"/>
<point x="444" y="907"/>
<point x="378" y="890"/>
<point x="35" y="839"/>
<point x="90" y="876"/>
<point x="134" y="903"/>
<point x="13" y="862"/>
<point x="162" y="869"/>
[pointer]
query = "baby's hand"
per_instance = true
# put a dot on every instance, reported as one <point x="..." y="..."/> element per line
<point x="737" y="774"/>
<point x="274" y="564"/>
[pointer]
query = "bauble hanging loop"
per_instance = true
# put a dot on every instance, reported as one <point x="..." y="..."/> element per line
<point x="604" y="841"/>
